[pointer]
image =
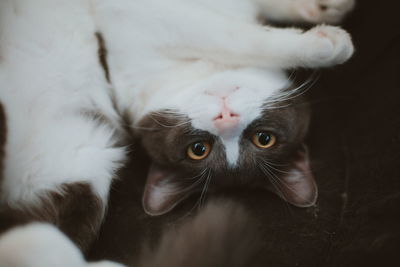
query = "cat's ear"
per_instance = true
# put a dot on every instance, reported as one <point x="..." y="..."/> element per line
<point x="297" y="186"/>
<point x="162" y="191"/>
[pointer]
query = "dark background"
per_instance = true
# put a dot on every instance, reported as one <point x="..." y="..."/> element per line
<point x="355" y="148"/>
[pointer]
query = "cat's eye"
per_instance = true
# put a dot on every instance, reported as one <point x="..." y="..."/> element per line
<point x="199" y="150"/>
<point x="264" y="140"/>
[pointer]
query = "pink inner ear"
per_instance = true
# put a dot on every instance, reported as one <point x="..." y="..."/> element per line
<point x="161" y="194"/>
<point x="298" y="186"/>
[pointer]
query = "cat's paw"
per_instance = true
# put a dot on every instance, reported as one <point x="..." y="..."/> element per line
<point x="105" y="264"/>
<point x="327" y="46"/>
<point x="38" y="244"/>
<point x="320" y="11"/>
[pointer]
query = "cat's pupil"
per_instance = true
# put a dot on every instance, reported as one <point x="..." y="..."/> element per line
<point x="199" y="149"/>
<point x="264" y="138"/>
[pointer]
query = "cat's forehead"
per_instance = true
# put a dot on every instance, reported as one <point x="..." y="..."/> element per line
<point x="232" y="150"/>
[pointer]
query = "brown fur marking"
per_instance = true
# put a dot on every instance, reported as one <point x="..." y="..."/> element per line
<point x="77" y="212"/>
<point x="3" y="132"/>
<point x="103" y="55"/>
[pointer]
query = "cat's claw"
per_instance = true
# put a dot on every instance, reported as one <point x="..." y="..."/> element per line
<point x="320" y="11"/>
<point x="327" y="46"/>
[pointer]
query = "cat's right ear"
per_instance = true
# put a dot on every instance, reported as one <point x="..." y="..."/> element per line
<point x="162" y="191"/>
<point x="297" y="186"/>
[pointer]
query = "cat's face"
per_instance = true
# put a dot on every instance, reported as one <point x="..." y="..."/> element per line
<point x="244" y="133"/>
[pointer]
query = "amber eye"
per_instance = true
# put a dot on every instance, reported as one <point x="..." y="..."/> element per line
<point x="264" y="140"/>
<point x="199" y="150"/>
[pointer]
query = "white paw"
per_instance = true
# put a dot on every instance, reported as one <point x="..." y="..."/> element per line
<point x="37" y="245"/>
<point x="327" y="46"/>
<point x="105" y="264"/>
<point x="319" y="11"/>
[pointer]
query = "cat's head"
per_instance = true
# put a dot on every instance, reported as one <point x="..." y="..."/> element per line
<point x="238" y="128"/>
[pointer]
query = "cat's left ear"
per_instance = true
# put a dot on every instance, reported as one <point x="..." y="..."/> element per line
<point x="162" y="191"/>
<point x="297" y="186"/>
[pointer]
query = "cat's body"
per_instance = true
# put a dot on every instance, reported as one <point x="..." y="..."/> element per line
<point x="166" y="58"/>
<point x="60" y="157"/>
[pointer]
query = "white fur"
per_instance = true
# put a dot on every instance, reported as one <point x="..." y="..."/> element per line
<point x="38" y="245"/>
<point x="50" y="77"/>
<point x="41" y="245"/>
<point x="305" y="10"/>
<point x="232" y="150"/>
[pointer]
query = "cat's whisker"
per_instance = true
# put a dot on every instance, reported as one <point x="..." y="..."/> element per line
<point x="205" y="188"/>
<point x="277" y="187"/>
<point x="274" y="168"/>
<point x="142" y="128"/>
<point x="271" y="174"/>
<point x="286" y="96"/>
<point x="275" y="183"/>
<point x="271" y="179"/>
<point x="169" y="126"/>
<point x="275" y="164"/>
<point x="171" y="113"/>
<point x="277" y="107"/>
<point x="293" y="93"/>
<point x="280" y="181"/>
<point x="199" y="175"/>
<point x="292" y="76"/>
<point x="198" y="204"/>
<point x="197" y="182"/>
<point x="290" y="79"/>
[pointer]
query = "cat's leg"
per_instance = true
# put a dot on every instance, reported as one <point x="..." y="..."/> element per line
<point x="209" y="36"/>
<point x="257" y="46"/>
<point x="250" y="44"/>
<point x="310" y="11"/>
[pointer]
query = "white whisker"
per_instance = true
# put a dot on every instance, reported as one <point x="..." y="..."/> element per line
<point x="197" y="182"/>
<point x="205" y="188"/>
<point x="273" y="168"/>
<point x="290" y="94"/>
<point x="280" y="182"/>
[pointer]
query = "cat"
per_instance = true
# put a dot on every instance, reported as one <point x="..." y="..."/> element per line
<point x="216" y="105"/>
<point x="66" y="135"/>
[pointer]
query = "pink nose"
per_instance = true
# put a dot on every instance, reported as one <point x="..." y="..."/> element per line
<point x="226" y="120"/>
